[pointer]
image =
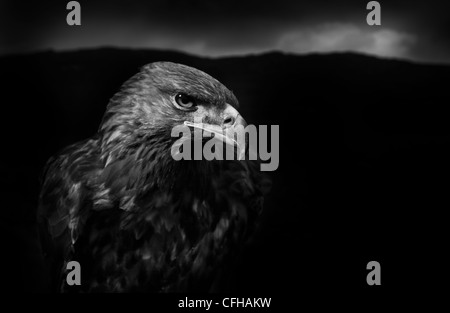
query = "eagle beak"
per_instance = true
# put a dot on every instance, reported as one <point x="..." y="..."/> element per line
<point x="231" y="131"/>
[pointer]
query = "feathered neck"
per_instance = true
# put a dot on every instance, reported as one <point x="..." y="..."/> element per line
<point x="145" y="158"/>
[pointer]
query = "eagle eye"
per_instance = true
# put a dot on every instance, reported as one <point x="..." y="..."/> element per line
<point x="184" y="101"/>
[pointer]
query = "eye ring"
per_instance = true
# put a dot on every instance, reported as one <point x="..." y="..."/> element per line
<point x="185" y="102"/>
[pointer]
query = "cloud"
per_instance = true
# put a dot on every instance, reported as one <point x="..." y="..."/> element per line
<point x="337" y="37"/>
<point x="417" y="31"/>
<point x="323" y="38"/>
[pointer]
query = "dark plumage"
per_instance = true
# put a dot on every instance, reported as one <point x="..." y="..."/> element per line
<point x="134" y="218"/>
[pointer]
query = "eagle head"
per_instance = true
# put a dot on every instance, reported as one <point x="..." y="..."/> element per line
<point x="140" y="117"/>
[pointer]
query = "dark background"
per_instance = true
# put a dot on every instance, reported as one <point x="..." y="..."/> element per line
<point x="364" y="150"/>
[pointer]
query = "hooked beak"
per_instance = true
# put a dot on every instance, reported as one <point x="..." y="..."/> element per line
<point x="231" y="132"/>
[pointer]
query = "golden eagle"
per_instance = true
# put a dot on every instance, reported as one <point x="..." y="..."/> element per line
<point x="133" y="217"/>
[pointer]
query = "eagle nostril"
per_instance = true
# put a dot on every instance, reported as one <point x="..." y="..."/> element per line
<point x="228" y="121"/>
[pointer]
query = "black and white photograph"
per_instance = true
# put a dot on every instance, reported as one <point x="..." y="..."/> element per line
<point x="224" y="155"/>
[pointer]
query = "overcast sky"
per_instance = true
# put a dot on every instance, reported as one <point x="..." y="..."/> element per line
<point x="417" y="30"/>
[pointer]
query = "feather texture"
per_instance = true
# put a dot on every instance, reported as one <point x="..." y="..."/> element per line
<point x="134" y="218"/>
